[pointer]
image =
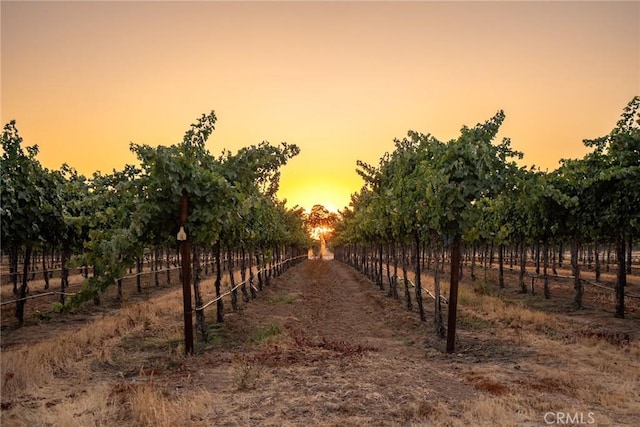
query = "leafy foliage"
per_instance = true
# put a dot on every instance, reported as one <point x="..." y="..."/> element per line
<point x="110" y="219"/>
<point x="470" y="188"/>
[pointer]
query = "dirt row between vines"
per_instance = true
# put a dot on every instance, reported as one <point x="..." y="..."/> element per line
<point x="322" y="346"/>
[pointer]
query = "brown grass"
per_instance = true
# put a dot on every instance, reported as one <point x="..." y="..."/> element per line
<point x="488" y="385"/>
<point x="342" y="354"/>
<point x="35" y="365"/>
<point x="574" y="369"/>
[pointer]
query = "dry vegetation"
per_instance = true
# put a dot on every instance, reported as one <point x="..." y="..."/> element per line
<point x="322" y="346"/>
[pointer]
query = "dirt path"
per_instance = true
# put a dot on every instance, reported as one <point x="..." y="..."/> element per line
<point x="343" y="355"/>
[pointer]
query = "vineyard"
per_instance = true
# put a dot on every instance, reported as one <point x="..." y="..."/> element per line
<point x="58" y="220"/>
<point x="537" y="273"/>
<point x="430" y="198"/>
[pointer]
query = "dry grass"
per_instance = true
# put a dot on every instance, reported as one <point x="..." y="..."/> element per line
<point x="124" y="404"/>
<point x="573" y="369"/>
<point x="30" y="371"/>
<point x="247" y="373"/>
<point x="300" y="360"/>
<point x="494" y="308"/>
<point x="596" y="373"/>
<point x="35" y="365"/>
<point x="145" y="404"/>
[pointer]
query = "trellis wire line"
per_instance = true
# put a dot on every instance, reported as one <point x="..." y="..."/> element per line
<point x="264" y="269"/>
<point x="442" y="298"/>
<point x="37" y="296"/>
<point x="535" y="276"/>
<point x="142" y="273"/>
<point x="597" y="285"/>
<point x="139" y="274"/>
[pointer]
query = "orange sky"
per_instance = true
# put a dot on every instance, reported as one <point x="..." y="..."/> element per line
<point x="340" y="80"/>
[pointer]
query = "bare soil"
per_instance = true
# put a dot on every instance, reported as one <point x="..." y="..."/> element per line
<point x="347" y="355"/>
<point x="324" y="346"/>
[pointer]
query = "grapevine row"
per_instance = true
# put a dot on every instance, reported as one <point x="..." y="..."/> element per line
<point x="459" y="195"/>
<point x="108" y="222"/>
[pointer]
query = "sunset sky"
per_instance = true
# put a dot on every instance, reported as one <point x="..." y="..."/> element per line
<point x="339" y="79"/>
